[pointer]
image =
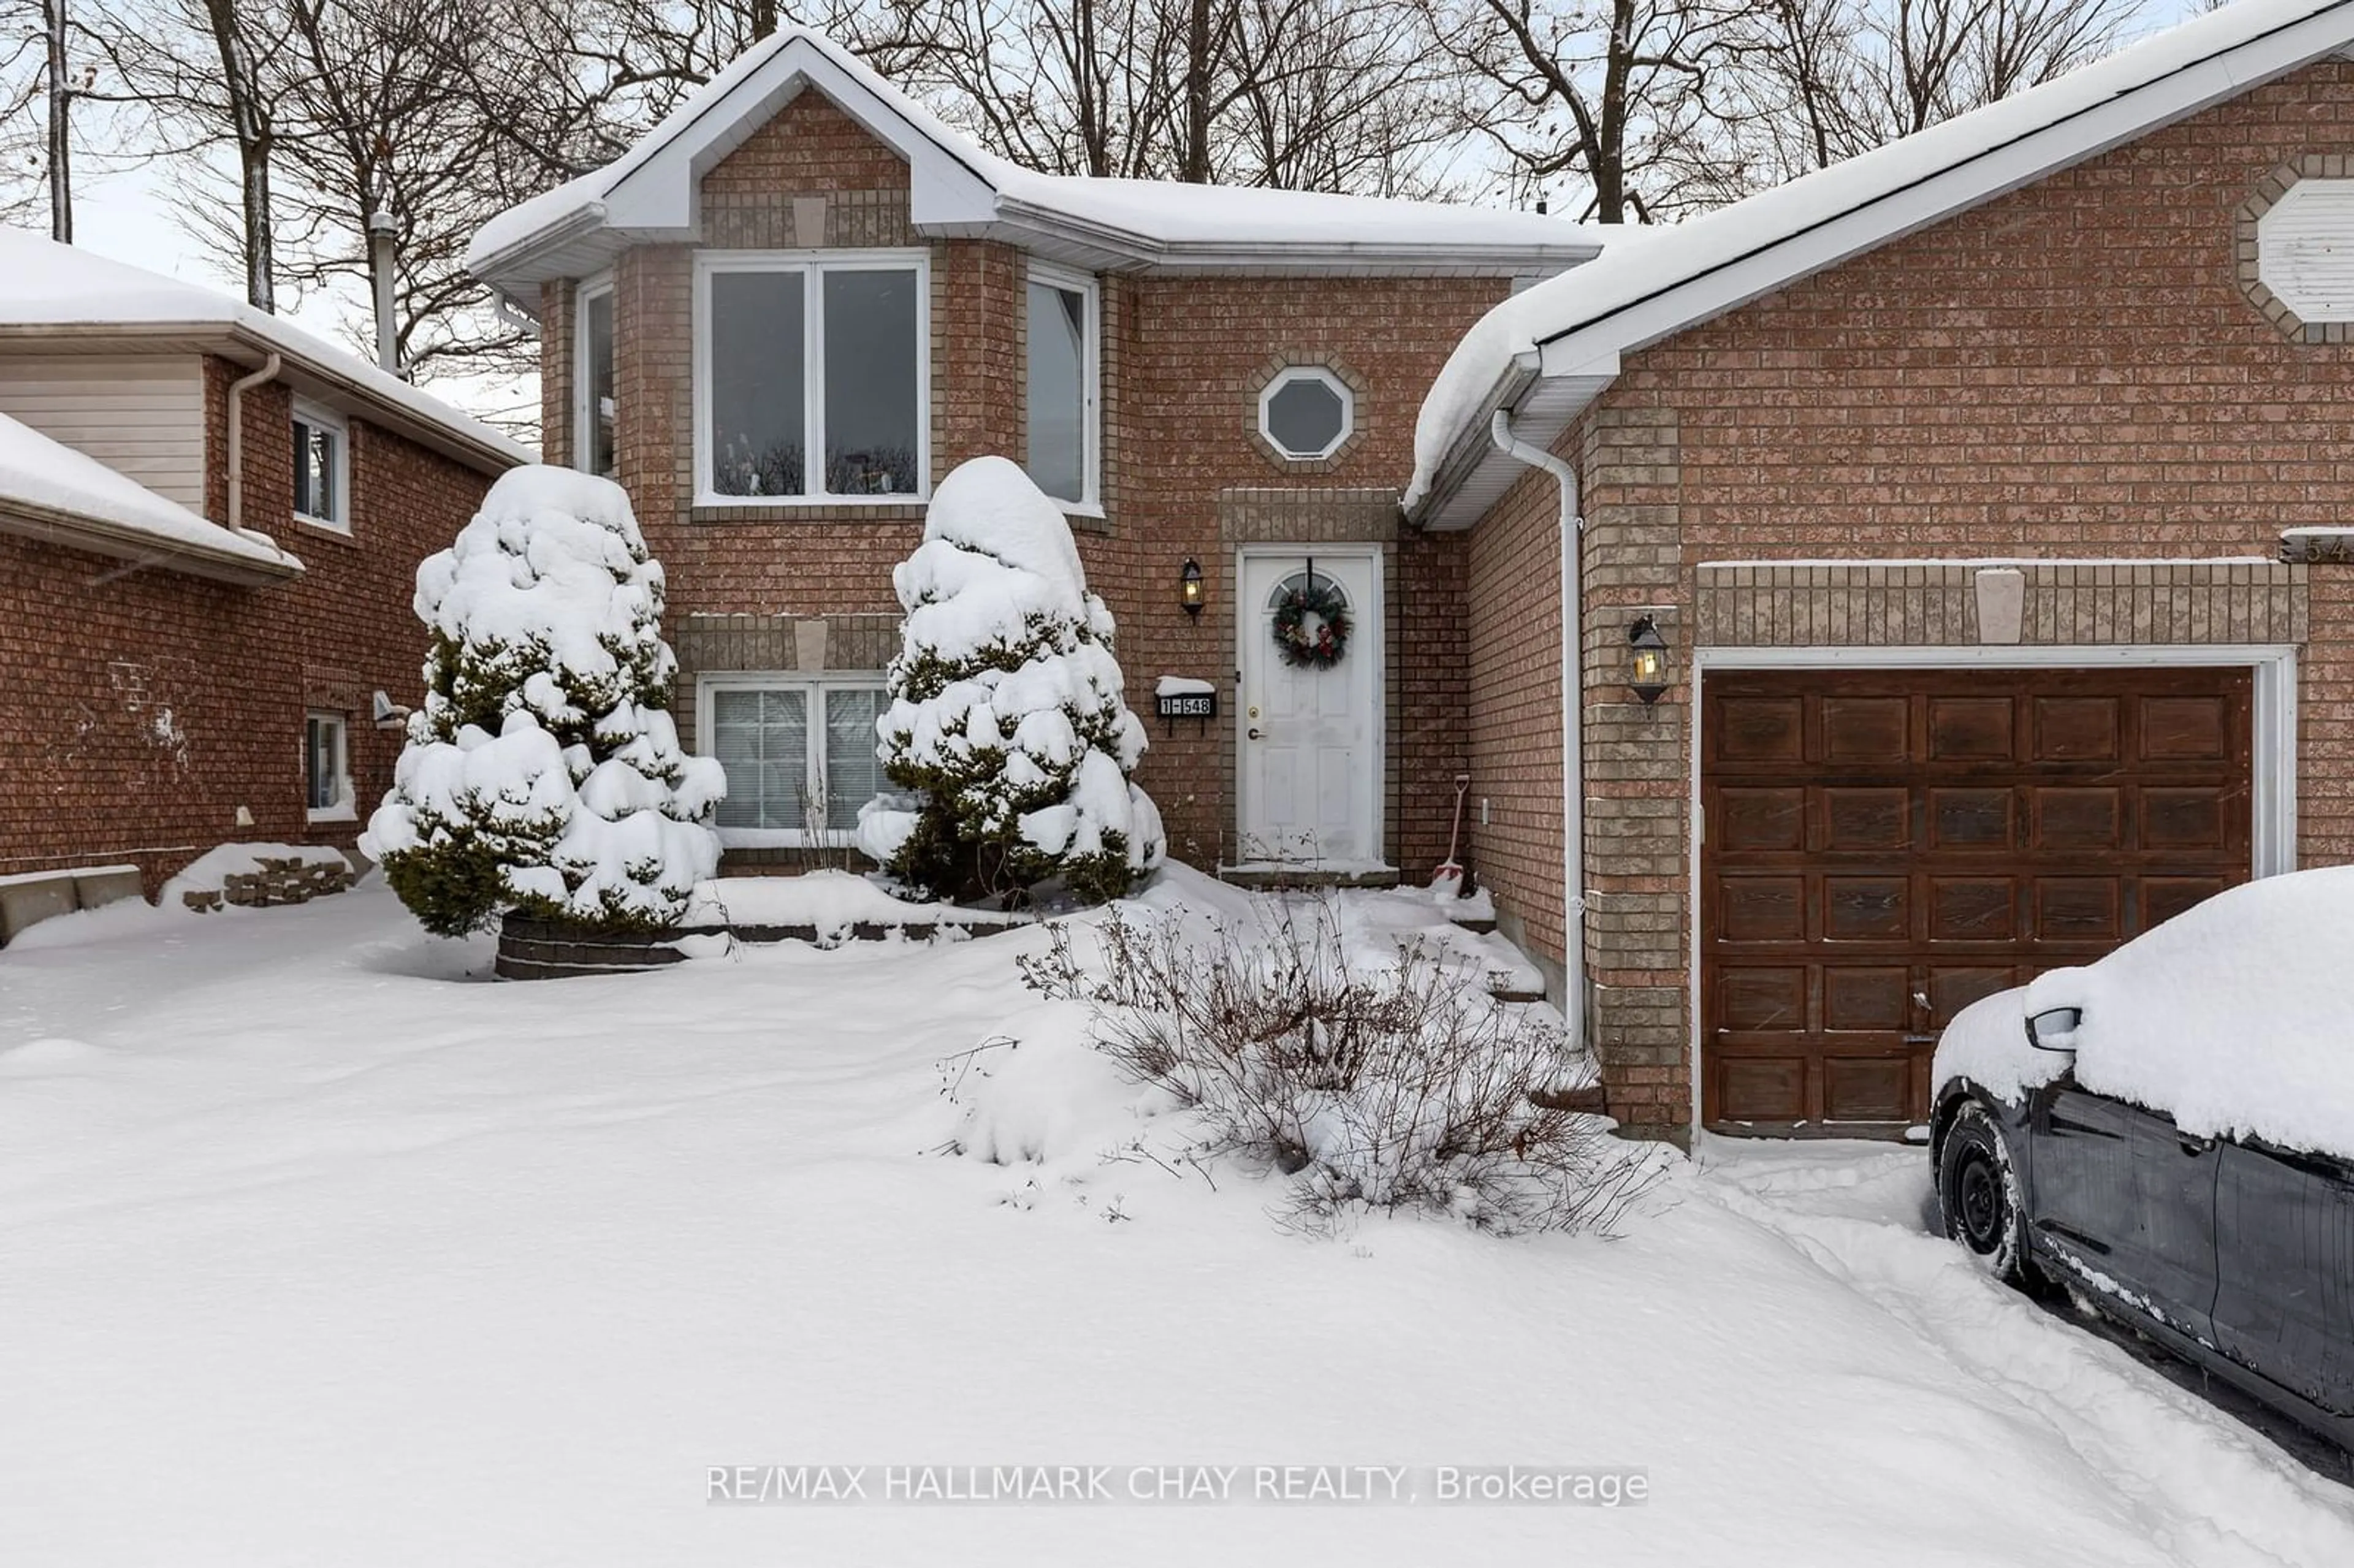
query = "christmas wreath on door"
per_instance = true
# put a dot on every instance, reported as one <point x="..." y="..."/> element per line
<point x="1311" y="623"/>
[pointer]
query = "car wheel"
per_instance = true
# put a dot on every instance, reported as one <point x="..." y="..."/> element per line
<point x="1977" y="1193"/>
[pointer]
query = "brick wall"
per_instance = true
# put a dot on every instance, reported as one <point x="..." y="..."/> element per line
<point x="1513" y="712"/>
<point x="143" y="708"/>
<point x="1181" y="360"/>
<point x="2074" y="370"/>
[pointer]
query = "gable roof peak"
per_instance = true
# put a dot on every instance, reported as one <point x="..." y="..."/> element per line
<point x="958" y="189"/>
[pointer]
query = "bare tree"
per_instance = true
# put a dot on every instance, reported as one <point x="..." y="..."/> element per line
<point x="1304" y="94"/>
<point x="384" y="125"/>
<point x="201" y="75"/>
<point x="1852" y="74"/>
<point x="24" y="74"/>
<point x="1628" y="106"/>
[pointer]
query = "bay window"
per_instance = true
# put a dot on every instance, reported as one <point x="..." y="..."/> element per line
<point x="592" y="371"/>
<point x="798" y="354"/>
<point x="799" y="751"/>
<point x="1062" y="386"/>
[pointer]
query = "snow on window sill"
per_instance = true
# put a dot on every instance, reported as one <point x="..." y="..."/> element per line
<point x="1089" y="509"/>
<point x="340" y="530"/>
<point x="345" y="812"/>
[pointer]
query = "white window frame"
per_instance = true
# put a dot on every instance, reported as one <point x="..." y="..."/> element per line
<point x="1288" y="376"/>
<point x="345" y="808"/>
<point x="1090" y="501"/>
<point x="814" y="683"/>
<point x="813" y="265"/>
<point x="334" y="424"/>
<point x="583" y="413"/>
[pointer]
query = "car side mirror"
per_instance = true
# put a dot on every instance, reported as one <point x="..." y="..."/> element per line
<point x="2054" y="1029"/>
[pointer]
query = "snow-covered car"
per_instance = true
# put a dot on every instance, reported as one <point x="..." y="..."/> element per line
<point x="2169" y="1134"/>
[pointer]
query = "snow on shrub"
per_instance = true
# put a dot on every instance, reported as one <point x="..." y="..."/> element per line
<point x="1391" y="1081"/>
<point x="1007" y="727"/>
<point x="543" y="773"/>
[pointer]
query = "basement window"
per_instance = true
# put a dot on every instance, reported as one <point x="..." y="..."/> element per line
<point x="327" y="769"/>
<point x="799" y="752"/>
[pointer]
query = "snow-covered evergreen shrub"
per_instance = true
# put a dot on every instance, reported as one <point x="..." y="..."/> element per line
<point x="543" y="773"/>
<point x="1389" y="1080"/>
<point x="1007" y="727"/>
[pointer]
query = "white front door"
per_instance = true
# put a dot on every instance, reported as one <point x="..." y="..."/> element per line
<point x="1310" y="738"/>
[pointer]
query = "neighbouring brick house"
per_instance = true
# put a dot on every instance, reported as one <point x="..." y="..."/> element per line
<point x="1989" y="493"/>
<point x="802" y="260"/>
<point x="210" y="523"/>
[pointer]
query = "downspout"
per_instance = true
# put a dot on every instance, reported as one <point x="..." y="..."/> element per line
<point x="1573" y="748"/>
<point x="237" y="391"/>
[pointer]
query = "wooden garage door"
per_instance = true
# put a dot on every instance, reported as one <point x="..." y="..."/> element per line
<point x="1880" y="849"/>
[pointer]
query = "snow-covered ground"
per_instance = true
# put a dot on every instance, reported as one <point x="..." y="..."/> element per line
<point x="319" y="1249"/>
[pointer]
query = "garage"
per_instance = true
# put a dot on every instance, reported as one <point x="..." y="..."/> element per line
<point x="1881" y="848"/>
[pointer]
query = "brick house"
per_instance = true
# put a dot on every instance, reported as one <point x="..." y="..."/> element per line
<point x="210" y="523"/>
<point x="1988" y="494"/>
<point x="800" y="260"/>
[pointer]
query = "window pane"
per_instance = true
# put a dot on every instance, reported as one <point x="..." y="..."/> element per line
<point x="314" y="472"/>
<point x="852" y="774"/>
<point x="870" y="382"/>
<point x="1058" y="453"/>
<point x="756" y="430"/>
<point x="1304" y="416"/>
<point x="761" y="739"/>
<point x="598" y="380"/>
<point x="322" y="763"/>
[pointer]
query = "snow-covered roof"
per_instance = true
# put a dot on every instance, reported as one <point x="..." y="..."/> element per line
<point x="1549" y="350"/>
<point x="55" y="295"/>
<point x="956" y="188"/>
<point x="50" y="491"/>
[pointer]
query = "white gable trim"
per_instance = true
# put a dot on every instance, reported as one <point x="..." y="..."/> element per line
<point x="1973" y="182"/>
<point x="660" y="195"/>
<point x="652" y="192"/>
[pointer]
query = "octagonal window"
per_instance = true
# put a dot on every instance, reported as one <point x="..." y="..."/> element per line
<point x="1306" y="412"/>
<point x="2305" y="249"/>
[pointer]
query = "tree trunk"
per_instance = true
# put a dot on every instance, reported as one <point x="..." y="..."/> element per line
<point x="1610" y="153"/>
<point x="1195" y="169"/>
<point x="53" y="22"/>
<point x="253" y="138"/>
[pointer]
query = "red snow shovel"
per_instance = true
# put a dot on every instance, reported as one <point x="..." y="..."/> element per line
<point x="1450" y="870"/>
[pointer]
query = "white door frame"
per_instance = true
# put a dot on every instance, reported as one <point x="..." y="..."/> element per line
<point x="2272" y="743"/>
<point x="1373" y="618"/>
